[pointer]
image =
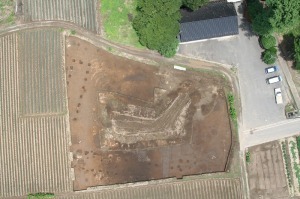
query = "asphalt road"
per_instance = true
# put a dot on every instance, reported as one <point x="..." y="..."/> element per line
<point x="243" y="52"/>
<point x="271" y="132"/>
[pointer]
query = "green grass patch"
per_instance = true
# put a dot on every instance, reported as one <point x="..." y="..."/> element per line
<point x="73" y="32"/>
<point x="7" y="15"/>
<point x="40" y="195"/>
<point x="117" y="16"/>
<point x="4" y="3"/>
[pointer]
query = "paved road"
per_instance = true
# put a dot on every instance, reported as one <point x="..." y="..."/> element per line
<point x="271" y="132"/>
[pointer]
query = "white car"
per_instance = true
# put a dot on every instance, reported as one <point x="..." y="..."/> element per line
<point x="271" y="69"/>
<point x="278" y="96"/>
<point x="274" y="79"/>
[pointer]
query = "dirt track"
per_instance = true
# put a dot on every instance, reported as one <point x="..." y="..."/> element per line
<point x="132" y="122"/>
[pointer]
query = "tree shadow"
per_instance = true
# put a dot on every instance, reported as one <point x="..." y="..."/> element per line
<point x="240" y="9"/>
<point x="287" y="47"/>
<point x="245" y="26"/>
<point x="245" y="21"/>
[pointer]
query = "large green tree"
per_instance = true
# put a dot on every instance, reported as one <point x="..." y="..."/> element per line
<point x="259" y="17"/>
<point x="261" y="24"/>
<point x="157" y="25"/>
<point x="285" y="15"/>
<point x="297" y="53"/>
<point x="194" y="4"/>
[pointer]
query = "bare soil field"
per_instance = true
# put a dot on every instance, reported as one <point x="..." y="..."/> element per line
<point x="266" y="172"/>
<point x="134" y="122"/>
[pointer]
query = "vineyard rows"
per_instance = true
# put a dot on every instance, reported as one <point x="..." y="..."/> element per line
<point x="80" y="12"/>
<point x="34" y="151"/>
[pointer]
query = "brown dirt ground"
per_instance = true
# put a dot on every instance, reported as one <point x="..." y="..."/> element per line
<point x="266" y="172"/>
<point x="135" y="122"/>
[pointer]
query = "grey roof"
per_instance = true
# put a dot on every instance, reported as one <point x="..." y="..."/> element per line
<point x="216" y="19"/>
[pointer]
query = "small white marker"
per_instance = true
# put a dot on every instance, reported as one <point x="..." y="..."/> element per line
<point x="179" y="68"/>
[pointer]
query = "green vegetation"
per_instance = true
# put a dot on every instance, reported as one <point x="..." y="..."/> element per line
<point x="194" y="4"/>
<point x="284" y="15"/>
<point x="298" y="143"/>
<point x="289" y="107"/>
<point x="117" y="19"/>
<point x="277" y="16"/>
<point x="232" y="110"/>
<point x="248" y="157"/>
<point x="286" y="160"/>
<point x="259" y="18"/>
<point x="73" y="32"/>
<point x="40" y="195"/>
<point x="295" y="162"/>
<point x="269" y="56"/>
<point x="7" y="15"/>
<point x="268" y="41"/>
<point x="261" y="24"/>
<point x="297" y="53"/>
<point x="157" y="23"/>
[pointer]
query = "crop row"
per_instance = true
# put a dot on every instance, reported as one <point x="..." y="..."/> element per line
<point x="208" y="189"/>
<point x="41" y="72"/>
<point x="34" y="153"/>
<point x="80" y="12"/>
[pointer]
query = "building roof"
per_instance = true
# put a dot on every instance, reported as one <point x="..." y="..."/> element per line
<point x="216" y="19"/>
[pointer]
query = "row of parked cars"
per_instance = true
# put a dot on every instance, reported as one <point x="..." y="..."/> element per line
<point x="272" y="80"/>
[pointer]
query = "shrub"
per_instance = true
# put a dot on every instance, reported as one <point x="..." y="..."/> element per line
<point x="269" y="56"/>
<point x="232" y="110"/>
<point x="169" y="50"/>
<point x="268" y="41"/>
<point x="248" y="157"/>
<point x="286" y="159"/>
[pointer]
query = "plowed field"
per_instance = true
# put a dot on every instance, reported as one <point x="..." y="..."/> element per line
<point x="134" y="122"/>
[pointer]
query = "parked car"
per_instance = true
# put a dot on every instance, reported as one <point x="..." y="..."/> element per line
<point x="278" y="96"/>
<point x="271" y="69"/>
<point x="274" y="79"/>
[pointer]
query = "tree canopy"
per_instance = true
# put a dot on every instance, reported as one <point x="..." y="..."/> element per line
<point x="194" y="4"/>
<point x="259" y="17"/>
<point x="284" y="15"/>
<point x="157" y="25"/>
<point x="281" y="16"/>
<point x="268" y="41"/>
<point x="269" y="56"/>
